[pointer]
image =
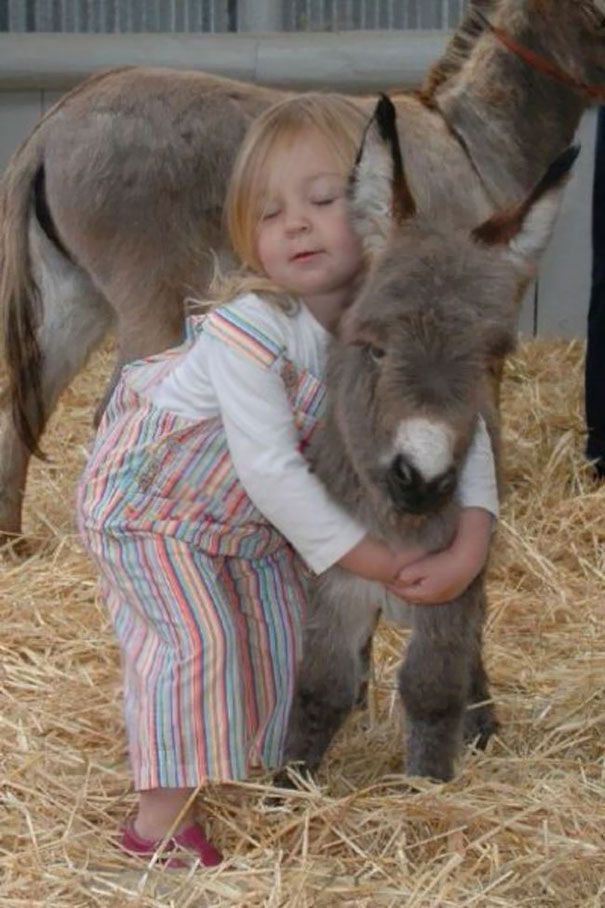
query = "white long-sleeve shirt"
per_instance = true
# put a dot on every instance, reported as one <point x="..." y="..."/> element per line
<point x="213" y="379"/>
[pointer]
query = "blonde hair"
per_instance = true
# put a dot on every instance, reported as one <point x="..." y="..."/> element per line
<point x="337" y="120"/>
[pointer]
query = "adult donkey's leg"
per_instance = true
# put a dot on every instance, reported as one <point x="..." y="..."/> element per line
<point x="150" y="302"/>
<point x="142" y="332"/>
<point x="74" y="318"/>
<point x="435" y="683"/>
<point x="339" y="626"/>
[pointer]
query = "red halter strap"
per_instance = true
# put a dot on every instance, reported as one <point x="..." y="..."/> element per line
<point x="541" y="64"/>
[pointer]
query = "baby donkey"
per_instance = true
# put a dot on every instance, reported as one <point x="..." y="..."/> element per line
<point x="409" y="374"/>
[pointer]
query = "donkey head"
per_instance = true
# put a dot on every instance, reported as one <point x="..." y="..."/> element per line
<point x="566" y="33"/>
<point x="580" y="25"/>
<point x="409" y="373"/>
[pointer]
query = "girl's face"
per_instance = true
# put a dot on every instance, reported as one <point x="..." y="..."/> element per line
<point x="304" y="240"/>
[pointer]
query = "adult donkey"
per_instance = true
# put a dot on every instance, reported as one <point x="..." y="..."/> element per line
<point x="407" y="377"/>
<point x="111" y="207"/>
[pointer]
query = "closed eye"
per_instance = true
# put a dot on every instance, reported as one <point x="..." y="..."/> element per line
<point x="271" y="210"/>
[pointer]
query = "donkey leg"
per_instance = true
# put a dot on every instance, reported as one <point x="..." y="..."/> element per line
<point x="480" y="721"/>
<point x="340" y="623"/>
<point x="14" y="459"/>
<point x="75" y="317"/>
<point x="365" y="665"/>
<point x="150" y="304"/>
<point x="435" y="681"/>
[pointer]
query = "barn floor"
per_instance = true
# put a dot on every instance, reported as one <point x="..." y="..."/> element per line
<point x="521" y="825"/>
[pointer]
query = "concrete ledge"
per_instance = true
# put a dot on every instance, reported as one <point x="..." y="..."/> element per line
<point x="348" y="61"/>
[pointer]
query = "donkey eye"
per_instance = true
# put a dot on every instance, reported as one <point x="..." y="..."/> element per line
<point x="376" y="353"/>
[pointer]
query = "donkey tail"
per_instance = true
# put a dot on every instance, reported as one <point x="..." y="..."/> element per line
<point x="20" y="300"/>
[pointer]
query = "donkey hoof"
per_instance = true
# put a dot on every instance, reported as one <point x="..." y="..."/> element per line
<point x="285" y="780"/>
<point x="15" y="546"/>
<point x="433" y="763"/>
<point x="361" y="700"/>
<point x="480" y="723"/>
<point x="437" y="774"/>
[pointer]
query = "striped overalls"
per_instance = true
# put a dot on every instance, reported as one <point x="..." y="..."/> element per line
<point x="205" y="595"/>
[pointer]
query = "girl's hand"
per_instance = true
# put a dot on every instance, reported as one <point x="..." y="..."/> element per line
<point x="374" y="560"/>
<point x="444" y="575"/>
<point x="435" y="579"/>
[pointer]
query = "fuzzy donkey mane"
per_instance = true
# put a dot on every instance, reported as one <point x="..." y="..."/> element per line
<point x="459" y="48"/>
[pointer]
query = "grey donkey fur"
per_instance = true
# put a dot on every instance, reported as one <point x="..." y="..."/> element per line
<point x="437" y="305"/>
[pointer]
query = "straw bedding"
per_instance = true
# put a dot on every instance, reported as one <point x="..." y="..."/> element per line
<point x="522" y="824"/>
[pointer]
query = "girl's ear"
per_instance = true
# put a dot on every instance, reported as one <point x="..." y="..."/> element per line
<point x="526" y="229"/>
<point x="378" y="192"/>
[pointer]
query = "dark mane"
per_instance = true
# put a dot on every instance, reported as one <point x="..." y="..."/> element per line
<point x="458" y="49"/>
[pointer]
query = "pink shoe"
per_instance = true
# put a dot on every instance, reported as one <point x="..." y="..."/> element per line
<point x="191" y="841"/>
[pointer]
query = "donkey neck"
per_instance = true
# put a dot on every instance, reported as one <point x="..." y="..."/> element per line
<point x="512" y="119"/>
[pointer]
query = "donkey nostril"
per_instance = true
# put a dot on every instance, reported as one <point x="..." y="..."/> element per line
<point x="403" y="470"/>
<point x="447" y="482"/>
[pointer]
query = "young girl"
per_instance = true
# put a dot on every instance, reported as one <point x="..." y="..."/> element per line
<point x="199" y="508"/>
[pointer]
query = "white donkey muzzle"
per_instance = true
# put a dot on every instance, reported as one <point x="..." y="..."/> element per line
<point x="420" y="474"/>
<point x="427" y="446"/>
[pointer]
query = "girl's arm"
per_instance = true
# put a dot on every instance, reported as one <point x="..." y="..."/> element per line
<point x="478" y="485"/>
<point x="445" y="575"/>
<point x="263" y="441"/>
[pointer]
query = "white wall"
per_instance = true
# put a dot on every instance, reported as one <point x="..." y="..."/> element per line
<point x="564" y="285"/>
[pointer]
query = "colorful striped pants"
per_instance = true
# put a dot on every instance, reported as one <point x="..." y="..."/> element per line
<point x="210" y="646"/>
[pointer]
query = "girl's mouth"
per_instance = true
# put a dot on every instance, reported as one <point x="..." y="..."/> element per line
<point x="305" y="256"/>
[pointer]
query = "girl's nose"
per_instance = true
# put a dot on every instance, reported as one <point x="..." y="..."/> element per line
<point x="296" y="220"/>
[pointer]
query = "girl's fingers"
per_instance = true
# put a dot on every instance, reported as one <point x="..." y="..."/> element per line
<point x="415" y="598"/>
<point x="409" y="591"/>
<point x="410" y="575"/>
<point x="416" y="595"/>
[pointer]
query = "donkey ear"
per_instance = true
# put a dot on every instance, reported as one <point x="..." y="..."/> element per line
<point x="526" y="229"/>
<point x="378" y="191"/>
